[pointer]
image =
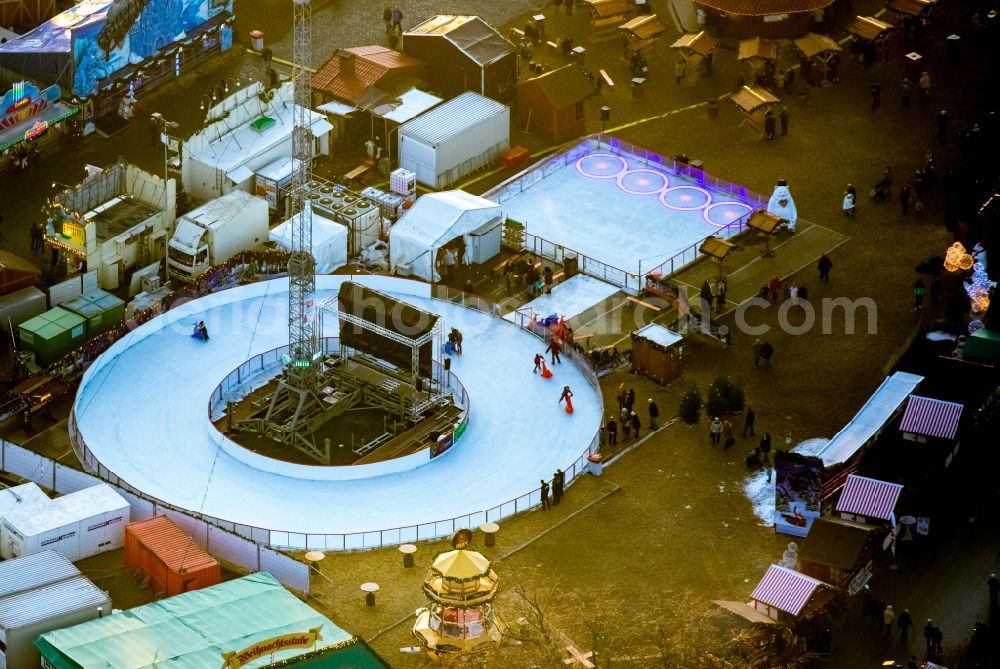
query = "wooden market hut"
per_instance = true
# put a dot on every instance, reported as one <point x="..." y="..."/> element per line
<point x="464" y="53"/>
<point x="870" y="35"/>
<point x="607" y="15"/>
<point x="840" y="552"/>
<point x="910" y="8"/>
<point x="868" y="501"/>
<point x="697" y="50"/>
<point x="935" y="423"/>
<point x="754" y="102"/>
<point x="788" y="596"/>
<point x="757" y="53"/>
<point x="551" y="105"/>
<point x="773" y="19"/>
<point x="819" y="50"/>
<point x="657" y="353"/>
<point x="639" y="34"/>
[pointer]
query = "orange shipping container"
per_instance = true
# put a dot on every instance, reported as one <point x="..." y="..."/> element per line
<point x="171" y="558"/>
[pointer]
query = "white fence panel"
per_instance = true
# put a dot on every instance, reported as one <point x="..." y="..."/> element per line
<point x="141" y="508"/>
<point x="197" y="529"/>
<point x="232" y="548"/>
<point x="28" y="465"/>
<point x="70" y="480"/>
<point x="290" y="572"/>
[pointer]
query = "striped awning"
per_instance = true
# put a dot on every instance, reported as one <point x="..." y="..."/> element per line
<point x="869" y="497"/>
<point x="785" y="589"/>
<point x="932" y="418"/>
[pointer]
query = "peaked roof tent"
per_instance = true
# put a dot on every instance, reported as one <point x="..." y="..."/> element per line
<point x="813" y="44"/>
<point x="869" y="28"/>
<point x="931" y="418"/>
<point x="751" y="98"/>
<point x="836" y="543"/>
<point x="470" y="34"/>
<point x="701" y="43"/>
<point x="758" y="48"/>
<point x="785" y="589"/>
<point x="869" y="497"/>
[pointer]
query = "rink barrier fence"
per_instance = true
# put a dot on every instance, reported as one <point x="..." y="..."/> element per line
<point x="629" y="282"/>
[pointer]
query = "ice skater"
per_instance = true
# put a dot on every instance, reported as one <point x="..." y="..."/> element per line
<point x="567" y="395"/>
<point x="539" y="361"/>
<point x="200" y="331"/>
<point x="455" y="337"/>
<point x="554" y="348"/>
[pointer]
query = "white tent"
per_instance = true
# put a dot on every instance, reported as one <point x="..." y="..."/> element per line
<point x="433" y="221"/>
<point x="329" y="241"/>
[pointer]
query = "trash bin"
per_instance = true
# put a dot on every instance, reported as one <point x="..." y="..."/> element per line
<point x="595" y="464"/>
<point x="571" y="265"/>
<point x="256" y="40"/>
<point x="638" y="89"/>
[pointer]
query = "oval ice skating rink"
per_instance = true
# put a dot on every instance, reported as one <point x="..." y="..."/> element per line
<point x="142" y="411"/>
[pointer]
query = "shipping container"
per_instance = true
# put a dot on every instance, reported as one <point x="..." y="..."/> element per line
<point x="102" y="310"/>
<point x="51" y="606"/>
<point x="21" y="305"/>
<point x="172" y="560"/>
<point x="53" y="334"/>
<point x="454" y="139"/>
<point x="78" y="525"/>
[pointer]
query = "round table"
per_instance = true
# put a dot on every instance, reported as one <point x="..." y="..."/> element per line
<point x="369" y="589"/>
<point x="407" y="550"/>
<point x="490" y="530"/>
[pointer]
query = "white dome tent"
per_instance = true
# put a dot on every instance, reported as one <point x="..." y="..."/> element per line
<point x="435" y="220"/>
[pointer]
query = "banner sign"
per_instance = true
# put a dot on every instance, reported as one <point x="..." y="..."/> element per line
<point x="236" y="659"/>
<point x="22" y="102"/>
<point x="798" y="482"/>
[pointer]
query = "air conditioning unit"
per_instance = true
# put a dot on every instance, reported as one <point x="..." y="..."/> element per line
<point x="150" y="283"/>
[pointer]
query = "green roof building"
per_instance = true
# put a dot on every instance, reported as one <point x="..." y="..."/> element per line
<point x="102" y="310"/>
<point x="53" y="334"/>
<point x="248" y="622"/>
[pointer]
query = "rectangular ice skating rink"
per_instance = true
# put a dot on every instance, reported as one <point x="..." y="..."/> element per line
<point x="568" y="299"/>
<point x="619" y="208"/>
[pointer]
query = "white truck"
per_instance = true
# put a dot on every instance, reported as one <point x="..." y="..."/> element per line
<point x="215" y="232"/>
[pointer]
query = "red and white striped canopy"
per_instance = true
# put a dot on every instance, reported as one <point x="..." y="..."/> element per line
<point x="930" y="417"/>
<point x="785" y="589"/>
<point x="869" y="497"/>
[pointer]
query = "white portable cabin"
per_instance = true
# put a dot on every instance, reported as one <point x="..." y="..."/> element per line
<point x="78" y="525"/>
<point x="454" y="139"/>
<point x="273" y="179"/>
<point x="329" y="241"/>
<point x="40" y="593"/>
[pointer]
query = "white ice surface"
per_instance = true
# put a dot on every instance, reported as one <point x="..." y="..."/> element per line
<point x="570" y="298"/>
<point x="142" y="411"/>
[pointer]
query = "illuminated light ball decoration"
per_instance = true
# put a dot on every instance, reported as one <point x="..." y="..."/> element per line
<point x="974" y="325"/>
<point x="957" y="258"/>
<point x="978" y="289"/>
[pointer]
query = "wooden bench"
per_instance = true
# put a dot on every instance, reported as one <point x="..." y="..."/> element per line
<point x="642" y="304"/>
<point x="360" y="171"/>
<point x="607" y="78"/>
<point x="517" y="32"/>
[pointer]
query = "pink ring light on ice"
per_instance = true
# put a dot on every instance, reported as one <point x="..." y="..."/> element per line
<point x="596" y="159"/>
<point x="707" y="214"/>
<point x="633" y="191"/>
<point x="677" y="189"/>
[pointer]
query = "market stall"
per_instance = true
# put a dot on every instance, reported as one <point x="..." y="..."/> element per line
<point x="760" y="55"/>
<point x="840" y="553"/>
<point x="639" y="34"/>
<point x="607" y="15"/>
<point x="27" y="113"/>
<point x="698" y="52"/>
<point x="657" y="353"/>
<point x="437" y="223"/>
<point x="870" y="37"/>
<point x="869" y="501"/>
<point x="821" y="53"/>
<point x="787" y="596"/>
<point x="754" y="102"/>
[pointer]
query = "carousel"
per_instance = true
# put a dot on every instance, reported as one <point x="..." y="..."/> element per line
<point x="461" y="587"/>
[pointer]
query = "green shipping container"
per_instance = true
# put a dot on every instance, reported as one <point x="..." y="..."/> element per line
<point x="53" y="334"/>
<point x="102" y="310"/>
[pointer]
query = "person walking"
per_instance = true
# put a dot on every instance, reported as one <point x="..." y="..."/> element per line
<point x="942" y="124"/>
<point x="904" y="96"/>
<point x="824" y="266"/>
<point x="848" y="202"/>
<point x="904" y="621"/>
<point x="765" y="446"/>
<point x="924" y="84"/>
<point x="774" y="287"/>
<point x="720" y="294"/>
<point x="654" y="413"/>
<point x="749" y="421"/>
<point x="756" y="348"/>
<point x="554" y="349"/>
<point x="876" y="95"/>
<point x="904" y="199"/>
<point x="937" y="639"/>
<point x="636" y="423"/>
<point x="783" y="118"/>
<point x="622" y="395"/>
<point x="929" y="635"/>
<point x="679" y="66"/>
<point x="769" y="125"/>
<point x="387" y="19"/>
<point x="557" y="487"/>
<point x="544" y="492"/>
<point x="715" y="430"/>
<point x="994" y="586"/>
<point x="629" y="399"/>
<point x="766" y="351"/>
<point x="397" y="19"/>
<point x="888" y="618"/>
<point x="919" y="290"/>
<point x="626" y="425"/>
<point x="612" y="428"/>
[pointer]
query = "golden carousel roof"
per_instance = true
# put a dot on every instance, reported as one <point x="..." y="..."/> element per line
<point x="461" y="565"/>
<point x="765" y="7"/>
